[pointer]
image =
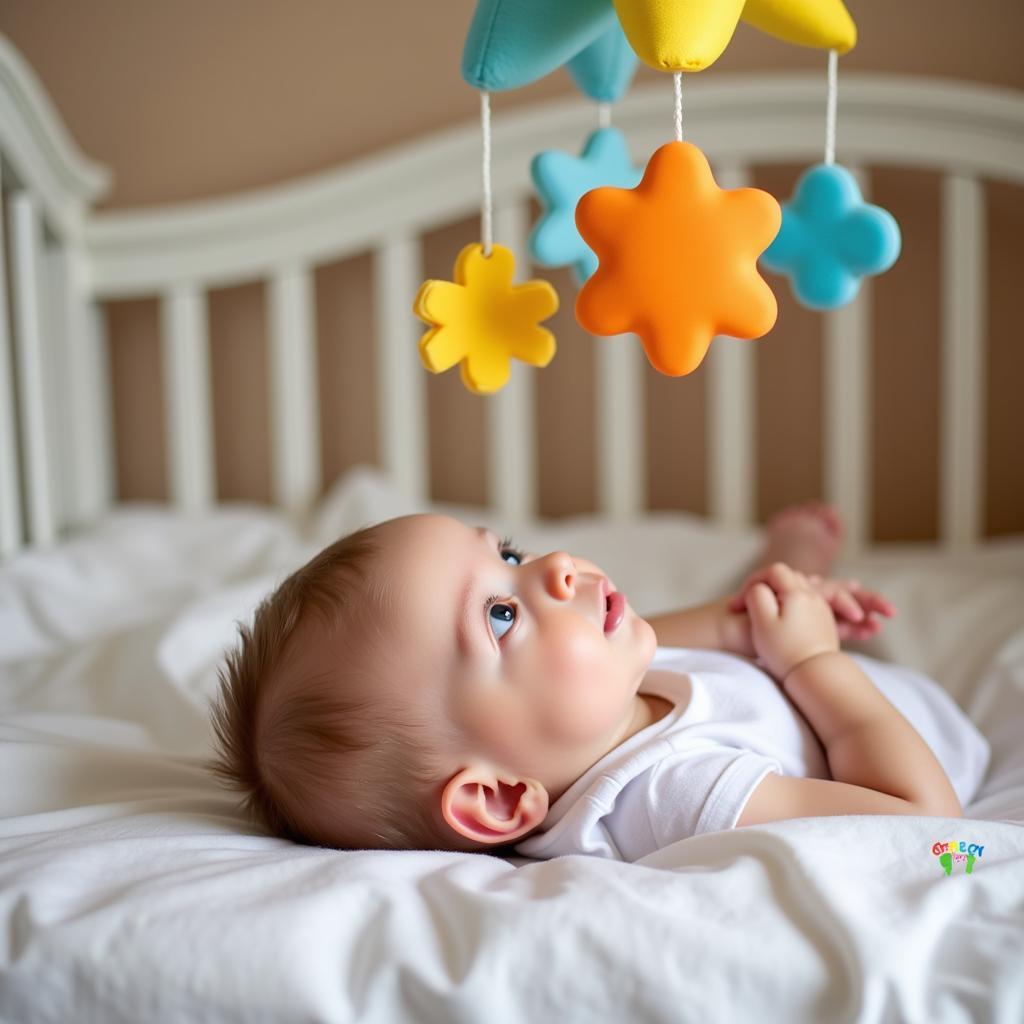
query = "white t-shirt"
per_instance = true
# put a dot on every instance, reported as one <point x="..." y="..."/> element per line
<point x="694" y="770"/>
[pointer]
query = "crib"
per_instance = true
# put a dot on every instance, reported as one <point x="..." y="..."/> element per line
<point x="130" y="886"/>
<point x="56" y="437"/>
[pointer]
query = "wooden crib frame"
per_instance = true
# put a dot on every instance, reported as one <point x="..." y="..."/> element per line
<point x="56" y="443"/>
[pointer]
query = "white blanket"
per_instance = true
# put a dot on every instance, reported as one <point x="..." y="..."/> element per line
<point x="131" y="890"/>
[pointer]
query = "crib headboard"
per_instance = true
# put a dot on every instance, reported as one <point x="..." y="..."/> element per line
<point x="63" y="262"/>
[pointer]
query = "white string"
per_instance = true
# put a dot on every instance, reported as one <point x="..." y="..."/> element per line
<point x="604" y="115"/>
<point x="487" y="204"/>
<point x="830" y="117"/>
<point x="679" y="105"/>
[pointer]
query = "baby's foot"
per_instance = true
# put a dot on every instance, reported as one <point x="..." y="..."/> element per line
<point x="806" y="537"/>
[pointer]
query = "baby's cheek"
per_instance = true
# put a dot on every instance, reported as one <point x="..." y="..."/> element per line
<point x="582" y="717"/>
<point x="582" y="692"/>
<point x="647" y="639"/>
<point x="571" y="659"/>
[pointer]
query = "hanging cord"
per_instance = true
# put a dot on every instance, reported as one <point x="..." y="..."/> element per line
<point x="830" y="117"/>
<point x="604" y="115"/>
<point x="486" y="208"/>
<point x="679" y="105"/>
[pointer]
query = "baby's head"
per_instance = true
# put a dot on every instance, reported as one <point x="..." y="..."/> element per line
<point x="422" y="684"/>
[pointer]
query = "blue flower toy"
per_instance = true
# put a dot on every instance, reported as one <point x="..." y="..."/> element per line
<point x="831" y="239"/>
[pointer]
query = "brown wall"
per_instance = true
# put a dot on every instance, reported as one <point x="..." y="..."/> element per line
<point x="194" y="98"/>
<point x="198" y="99"/>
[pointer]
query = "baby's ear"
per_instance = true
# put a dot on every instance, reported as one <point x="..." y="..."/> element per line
<point x="488" y="806"/>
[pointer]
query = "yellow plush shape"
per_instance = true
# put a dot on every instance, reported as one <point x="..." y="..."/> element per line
<point x="823" y="24"/>
<point x="679" y="35"/>
<point x="690" y="35"/>
<point x="482" y="320"/>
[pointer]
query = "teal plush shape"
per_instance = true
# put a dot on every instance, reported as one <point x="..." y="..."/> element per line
<point x="561" y="180"/>
<point x="831" y="239"/>
<point x="604" y="69"/>
<point x="512" y="43"/>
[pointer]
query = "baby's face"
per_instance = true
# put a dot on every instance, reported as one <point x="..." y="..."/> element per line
<point x="534" y="659"/>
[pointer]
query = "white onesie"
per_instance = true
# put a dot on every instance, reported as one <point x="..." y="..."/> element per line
<point x="694" y="770"/>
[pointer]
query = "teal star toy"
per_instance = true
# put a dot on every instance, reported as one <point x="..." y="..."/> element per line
<point x="831" y="239"/>
<point x="512" y="43"/>
<point x="561" y="180"/>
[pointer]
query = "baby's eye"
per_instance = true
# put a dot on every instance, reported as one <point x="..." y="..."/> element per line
<point x="502" y="618"/>
<point x="508" y="551"/>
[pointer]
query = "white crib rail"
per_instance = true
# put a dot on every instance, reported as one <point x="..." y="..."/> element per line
<point x="963" y="351"/>
<point x="89" y="399"/>
<point x="731" y="411"/>
<point x="621" y="468"/>
<point x="294" y="405"/>
<point x="383" y="205"/>
<point x="512" y="468"/>
<point x="401" y="385"/>
<point x="185" y="347"/>
<point x="10" y="485"/>
<point x="44" y="398"/>
<point x="33" y="357"/>
<point x="847" y="338"/>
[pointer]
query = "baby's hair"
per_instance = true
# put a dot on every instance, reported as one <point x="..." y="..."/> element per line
<point x="322" y="758"/>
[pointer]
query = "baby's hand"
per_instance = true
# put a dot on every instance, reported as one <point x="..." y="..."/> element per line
<point x="789" y="621"/>
<point x="856" y="609"/>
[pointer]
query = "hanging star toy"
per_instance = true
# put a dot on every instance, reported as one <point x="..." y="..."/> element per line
<point x="831" y="239"/>
<point x="481" y="320"/>
<point x="561" y="180"/>
<point x="677" y="260"/>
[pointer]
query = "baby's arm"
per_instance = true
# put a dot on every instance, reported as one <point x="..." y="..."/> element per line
<point x="725" y="625"/>
<point x="710" y="626"/>
<point x="879" y="761"/>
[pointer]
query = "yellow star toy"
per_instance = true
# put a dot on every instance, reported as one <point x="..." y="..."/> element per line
<point x="481" y="320"/>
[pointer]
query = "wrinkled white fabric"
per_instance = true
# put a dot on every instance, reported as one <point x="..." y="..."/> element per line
<point x="132" y="890"/>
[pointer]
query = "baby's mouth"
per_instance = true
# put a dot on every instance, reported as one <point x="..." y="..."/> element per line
<point x="615" y="611"/>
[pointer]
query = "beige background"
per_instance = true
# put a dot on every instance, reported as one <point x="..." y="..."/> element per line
<point x="191" y="99"/>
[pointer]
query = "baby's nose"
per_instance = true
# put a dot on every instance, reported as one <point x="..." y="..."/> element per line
<point x="560" y="575"/>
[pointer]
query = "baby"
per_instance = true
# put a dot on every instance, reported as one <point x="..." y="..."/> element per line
<point x="422" y="684"/>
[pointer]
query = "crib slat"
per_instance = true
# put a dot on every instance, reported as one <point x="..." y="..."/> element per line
<point x="401" y="378"/>
<point x="60" y="380"/>
<point x="731" y="449"/>
<point x="847" y="395"/>
<point x="847" y="369"/>
<point x="294" y="399"/>
<point x="511" y="468"/>
<point x="97" y="453"/>
<point x="37" y="442"/>
<point x="621" y="467"/>
<point x="963" y="336"/>
<point x="731" y="411"/>
<point x="185" y="347"/>
<point x="10" y="487"/>
<point x="85" y="441"/>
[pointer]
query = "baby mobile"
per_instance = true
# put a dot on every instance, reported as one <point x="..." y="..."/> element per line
<point x="663" y="253"/>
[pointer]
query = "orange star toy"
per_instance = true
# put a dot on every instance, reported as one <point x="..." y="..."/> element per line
<point x="678" y="260"/>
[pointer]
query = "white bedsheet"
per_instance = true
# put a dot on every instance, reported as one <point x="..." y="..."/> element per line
<point x="131" y="890"/>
